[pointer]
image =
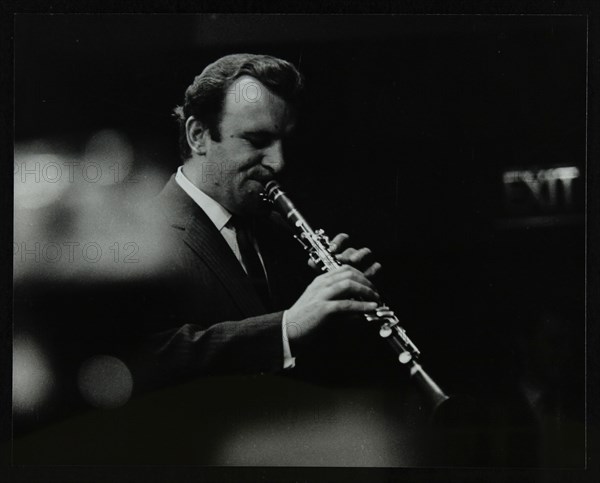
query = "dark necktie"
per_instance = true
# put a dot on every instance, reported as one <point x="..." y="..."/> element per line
<point x="254" y="268"/>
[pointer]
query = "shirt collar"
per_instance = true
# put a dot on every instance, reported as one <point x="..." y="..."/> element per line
<point x="217" y="213"/>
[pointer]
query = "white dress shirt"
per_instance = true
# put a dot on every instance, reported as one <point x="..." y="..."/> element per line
<point x="220" y="217"/>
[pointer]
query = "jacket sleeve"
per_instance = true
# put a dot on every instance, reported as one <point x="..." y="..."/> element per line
<point x="248" y="346"/>
<point x="184" y="324"/>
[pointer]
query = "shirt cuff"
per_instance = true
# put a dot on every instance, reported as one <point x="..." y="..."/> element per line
<point x="288" y="361"/>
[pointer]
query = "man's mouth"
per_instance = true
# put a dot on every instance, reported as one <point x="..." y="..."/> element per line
<point x="262" y="181"/>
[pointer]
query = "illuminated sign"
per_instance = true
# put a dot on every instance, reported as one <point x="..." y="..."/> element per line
<point x="548" y="190"/>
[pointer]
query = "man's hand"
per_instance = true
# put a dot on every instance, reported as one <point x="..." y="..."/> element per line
<point x="361" y="259"/>
<point x="330" y="294"/>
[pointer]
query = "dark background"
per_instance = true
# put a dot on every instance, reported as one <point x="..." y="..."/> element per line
<point x="409" y="125"/>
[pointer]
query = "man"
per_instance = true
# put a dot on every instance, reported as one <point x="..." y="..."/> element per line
<point x="236" y="304"/>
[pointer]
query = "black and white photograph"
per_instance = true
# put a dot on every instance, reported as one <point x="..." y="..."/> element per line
<point x="299" y="241"/>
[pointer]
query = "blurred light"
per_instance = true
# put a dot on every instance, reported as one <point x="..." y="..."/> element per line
<point x="105" y="382"/>
<point x="108" y="158"/>
<point x="355" y="431"/>
<point x="32" y="377"/>
<point x="39" y="179"/>
<point x="92" y="223"/>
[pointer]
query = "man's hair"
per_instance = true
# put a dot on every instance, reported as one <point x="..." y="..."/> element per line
<point x="205" y="97"/>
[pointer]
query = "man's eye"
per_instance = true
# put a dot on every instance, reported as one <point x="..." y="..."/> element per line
<point x="258" y="142"/>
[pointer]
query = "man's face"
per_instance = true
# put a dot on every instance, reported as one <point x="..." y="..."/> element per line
<point x="254" y="126"/>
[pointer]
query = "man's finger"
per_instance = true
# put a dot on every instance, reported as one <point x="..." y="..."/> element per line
<point x="372" y="270"/>
<point x="359" y="256"/>
<point x="355" y="257"/>
<point x="338" y="242"/>
<point x="350" y="306"/>
<point x="345" y="256"/>
<point x="348" y="272"/>
<point x="350" y="289"/>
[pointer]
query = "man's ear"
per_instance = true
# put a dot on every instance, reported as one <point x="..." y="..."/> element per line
<point x="196" y="134"/>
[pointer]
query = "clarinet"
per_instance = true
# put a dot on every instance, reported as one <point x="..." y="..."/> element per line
<point x="316" y="243"/>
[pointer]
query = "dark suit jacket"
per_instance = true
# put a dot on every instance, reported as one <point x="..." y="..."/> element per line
<point x="198" y="316"/>
<point x="202" y="314"/>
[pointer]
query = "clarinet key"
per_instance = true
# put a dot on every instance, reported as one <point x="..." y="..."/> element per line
<point x="385" y="331"/>
<point x="405" y="357"/>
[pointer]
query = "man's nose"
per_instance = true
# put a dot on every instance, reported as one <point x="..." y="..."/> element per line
<point x="274" y="157"/>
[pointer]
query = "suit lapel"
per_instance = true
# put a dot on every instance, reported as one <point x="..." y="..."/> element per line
<point x="201" y="235"/>
<point x="206" y="241"/>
